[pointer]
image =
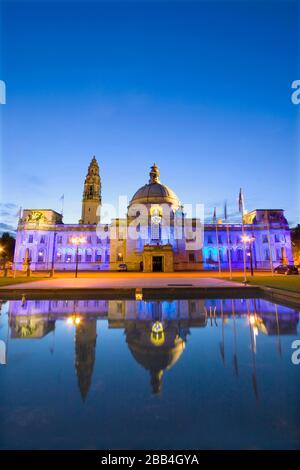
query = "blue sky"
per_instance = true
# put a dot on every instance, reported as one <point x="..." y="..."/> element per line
<point x="202" y="88"/>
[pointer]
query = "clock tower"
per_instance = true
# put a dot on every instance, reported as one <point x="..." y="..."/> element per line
<point x="91" y="200"/>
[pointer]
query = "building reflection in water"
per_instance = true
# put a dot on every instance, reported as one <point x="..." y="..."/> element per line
<point x="85" y="350"/>
<point x="156" y="332"/>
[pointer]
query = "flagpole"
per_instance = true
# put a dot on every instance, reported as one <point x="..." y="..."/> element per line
<point x="217" y="240"/>
<point x="62" y="204"/>
<point x="269" y="242"/>
<point x="242" y="211"/>
<point x="228" y="240"/>
<point x="244" y="249"/>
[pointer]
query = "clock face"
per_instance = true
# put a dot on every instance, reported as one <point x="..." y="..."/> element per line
<point x="156" y="219"/>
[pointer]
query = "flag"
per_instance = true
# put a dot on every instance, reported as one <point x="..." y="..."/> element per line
<point x="225" y="211"/>
<point x="215" y="216"/>
<point x="241" y="202"/>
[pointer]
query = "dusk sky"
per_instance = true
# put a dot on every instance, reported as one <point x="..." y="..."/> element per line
<point x="203" y="89"/>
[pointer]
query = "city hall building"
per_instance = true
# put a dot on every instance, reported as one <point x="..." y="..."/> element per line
<point x="165" y="238"/>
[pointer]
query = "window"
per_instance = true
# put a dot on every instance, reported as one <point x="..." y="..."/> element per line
<point x="89" y="239"/>
<point x="239" y="255"/>
<point x="68" y="258"/>
<point x="220" y="240"/>
<point x="209" y="240"/>
<point x="59" y="239"/>
<point x="277" y="238"/>
<point x="98" y="240"/>
<point x="88" y="256"/>
<point x="42" y="240"/>
<point x="30" y="239"/>
<point x="58" y="256"/>
<point x="267" y="254"/>
<point x="265" y="239"/>
<point x="119" y="256"/>
<point x="98" y="255"/>
<point x="40" y="258"/>
<point x="192" y="258"/>
<point x="155" y="231"/>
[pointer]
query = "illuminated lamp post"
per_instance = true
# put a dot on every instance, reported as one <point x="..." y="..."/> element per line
<point x="249" y="240"/>
<point x="77" y="240"/>
<point x="53" y="256"/>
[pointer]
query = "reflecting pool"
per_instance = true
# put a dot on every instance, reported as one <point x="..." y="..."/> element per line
<point x="126" y="374"/>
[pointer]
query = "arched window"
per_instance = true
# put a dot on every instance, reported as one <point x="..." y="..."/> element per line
<point x="41" y="255"/>
<point x="88" y="256"/>
<point x="156" y="218"/>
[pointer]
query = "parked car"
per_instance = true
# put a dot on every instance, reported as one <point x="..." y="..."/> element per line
<point x="122" y="267"/>
<point x="286" y="269"/>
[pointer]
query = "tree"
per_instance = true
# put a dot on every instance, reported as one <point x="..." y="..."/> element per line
<point x="7" y="243"/>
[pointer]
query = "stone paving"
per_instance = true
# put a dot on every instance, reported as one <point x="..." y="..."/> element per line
<point x="124" y="280"/>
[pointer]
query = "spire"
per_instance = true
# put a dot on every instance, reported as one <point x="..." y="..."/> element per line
<point x="154" y="174"/>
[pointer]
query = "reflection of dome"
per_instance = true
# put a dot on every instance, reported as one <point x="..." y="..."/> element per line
<point x="152" y="357"/>
<point x="155" y="192"/>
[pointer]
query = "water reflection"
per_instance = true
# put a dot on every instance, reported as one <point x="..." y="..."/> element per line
<point x="156" y="332"/>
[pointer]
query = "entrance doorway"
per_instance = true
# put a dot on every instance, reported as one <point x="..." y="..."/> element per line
<point x="157" y="264"/>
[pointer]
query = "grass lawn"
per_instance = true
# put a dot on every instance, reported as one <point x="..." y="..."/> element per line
<point x="290" y="283"/>
<point x="7" y="281"/>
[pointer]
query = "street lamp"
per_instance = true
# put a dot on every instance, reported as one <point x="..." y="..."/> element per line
<point x="77" y="240"/>
<point x="249" y="240"/>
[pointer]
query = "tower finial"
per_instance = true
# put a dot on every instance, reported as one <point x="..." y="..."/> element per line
<point x="154" y="174"/>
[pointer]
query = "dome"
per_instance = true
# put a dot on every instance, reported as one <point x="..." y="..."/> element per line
<point x="155" y="359"/>
<point x="155" y="192"/>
